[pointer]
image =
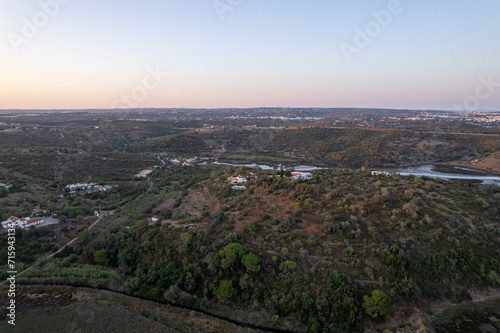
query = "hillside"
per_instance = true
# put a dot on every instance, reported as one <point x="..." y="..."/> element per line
<point x="339" y="147"/>
<point x="296" y="255"/>
<point x="344" y="251"/>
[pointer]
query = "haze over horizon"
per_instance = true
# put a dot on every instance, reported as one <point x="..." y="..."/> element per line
<point x="235" y="54"/>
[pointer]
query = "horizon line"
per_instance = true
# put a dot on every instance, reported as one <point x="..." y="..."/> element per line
<point x="246" y="108"/>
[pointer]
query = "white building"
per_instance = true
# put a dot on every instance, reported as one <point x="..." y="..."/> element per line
<point x="83" y="186"/>
<point x="301" y="175"/>
<point x="22" y="223"/>
<point x="379" y="172"/>
<point x="237" y="180"/>
<point x="88" y="187"/>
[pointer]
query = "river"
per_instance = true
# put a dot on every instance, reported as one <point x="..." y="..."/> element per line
<point x="419" y="171"/>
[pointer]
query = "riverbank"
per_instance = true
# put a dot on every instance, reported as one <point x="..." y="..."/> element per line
<point x="432" y="171"/>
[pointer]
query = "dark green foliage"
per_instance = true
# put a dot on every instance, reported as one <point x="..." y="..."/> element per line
<point x="377" y="304"/>
<point x="186" y="241"/>
<point x="226" y="292"/>
<point x="252" y="227"/>
<point x="231" y="254"/>
<point x="142" y="223"/>
<point x="84" y="236"/>
<point x="251" y="262"/>
<point x="411" y="236"/>
<point x="101" y="257"/>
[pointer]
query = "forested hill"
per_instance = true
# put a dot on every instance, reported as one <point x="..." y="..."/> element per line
<point x="343" y="251"/>
<point x="342" y="147"/>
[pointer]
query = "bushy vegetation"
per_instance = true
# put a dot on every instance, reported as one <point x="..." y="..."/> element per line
<point x="326" y="252"/>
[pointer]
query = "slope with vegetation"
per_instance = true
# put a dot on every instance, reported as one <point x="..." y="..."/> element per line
<point x="342" y="251"/>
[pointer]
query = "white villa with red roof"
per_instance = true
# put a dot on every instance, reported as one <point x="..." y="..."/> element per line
<point x="16" y="222"/>
<point x="237" y="180"/>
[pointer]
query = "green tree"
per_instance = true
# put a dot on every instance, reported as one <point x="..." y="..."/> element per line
<point x="213" y="262"/>
<point x="288" y="266"/>
<point x="377" y="304"/>
<point x="251" y="227"/>
<point x="126" y="260"/>
<point x="231" y="253"/>
<point x="42" y="231"/>
<point x="251" y="262"/>
<point x="186" y="241"/>
<point x="76" y="201"/>
<point x="101" y="257"/>
<point x="84" y="236"/>
<point x="142" y="223"/>
<point x="226" y="291"/>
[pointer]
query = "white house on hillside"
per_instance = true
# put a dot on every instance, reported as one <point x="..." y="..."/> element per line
<point x="237" y="180"/>
<point x="22" y="223"/>
<point x="379" y="172"/>
<point x="303" y="175"/>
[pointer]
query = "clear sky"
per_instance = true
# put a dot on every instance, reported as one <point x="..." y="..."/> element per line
<point x="427" y="54"/>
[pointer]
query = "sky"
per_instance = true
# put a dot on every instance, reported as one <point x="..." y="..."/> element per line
<point x="420" y="54"/>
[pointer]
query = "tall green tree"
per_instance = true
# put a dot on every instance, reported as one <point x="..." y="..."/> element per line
<point x="226" y="291"/>
<point x="251" y="262"/>
<point x="377" y="304"/>
<point x="231" y="253"/>
<point x="101" y="257"/>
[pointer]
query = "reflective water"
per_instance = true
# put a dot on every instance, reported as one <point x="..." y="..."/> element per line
<point x="419" y="171"/>
<point x="428" y="171"/>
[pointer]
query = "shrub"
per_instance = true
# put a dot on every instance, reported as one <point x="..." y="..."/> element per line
<point x="231" y="253"/>
<point x="377" y="304"/>
<point x="101" y="257"/>
<point x="225" y="292"/>
<point x="251" y="262"/>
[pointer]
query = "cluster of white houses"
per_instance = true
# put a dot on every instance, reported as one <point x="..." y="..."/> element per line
<point x="379" y="172"/>
<point x="7" y="186"/>
<point x="88" y="187"/>
<point x="240" y="180"/>
<point x="16" y="222"/>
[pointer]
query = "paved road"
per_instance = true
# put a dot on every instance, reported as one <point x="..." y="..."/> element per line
<point x="150" y="182"/>
<point x="48" y="221"/>
<point x="150" y="185"/>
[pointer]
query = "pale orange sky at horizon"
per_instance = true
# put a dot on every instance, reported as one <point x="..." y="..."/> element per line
<point x="91" y="54"/>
